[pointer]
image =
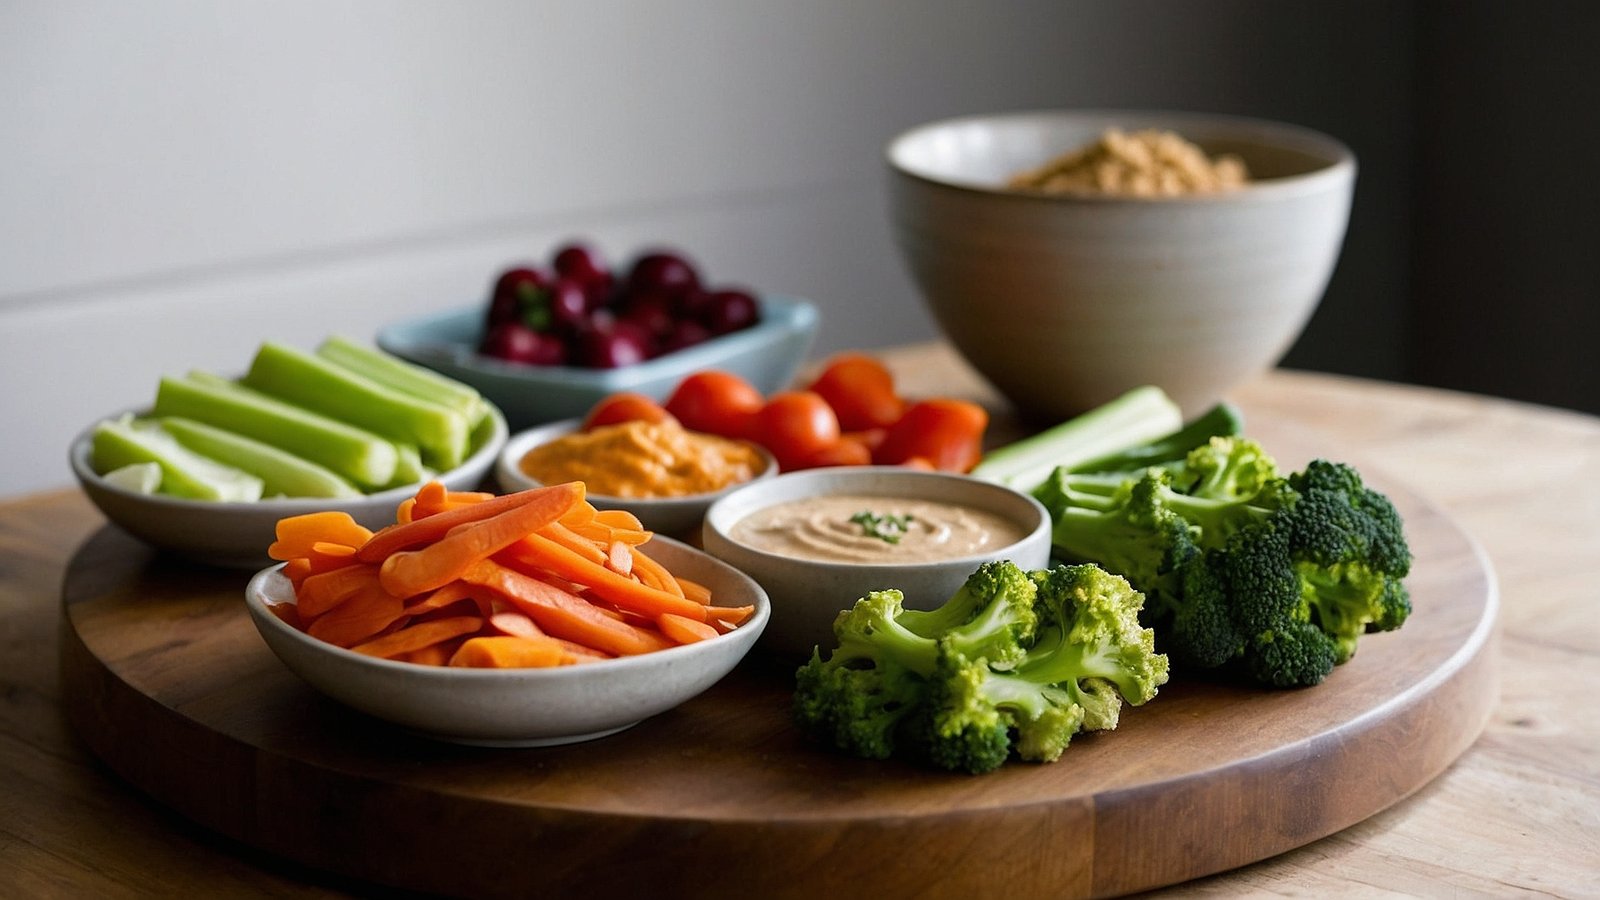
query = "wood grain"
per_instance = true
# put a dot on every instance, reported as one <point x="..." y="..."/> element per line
<point x="1517" y="814"/>
<point x="168" y="682"/>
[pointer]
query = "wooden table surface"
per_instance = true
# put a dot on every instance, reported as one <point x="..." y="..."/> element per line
<point x="1518" y="814"/>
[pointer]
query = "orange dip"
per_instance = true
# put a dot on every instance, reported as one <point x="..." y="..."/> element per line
<point x="644" y="459"/>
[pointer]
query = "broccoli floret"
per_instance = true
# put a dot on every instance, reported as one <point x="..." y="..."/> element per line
<point x="1227" y="468"/>
<point x="963" y="726"/>
<point x="1089" y="628"/>
<point x="1280" y="575"/>
<point x="1139" y="536"/>
<point x="1296" y="654"/>
<point x="855" y="703"/>
<point x="1090" y="655"/>
<point x="991" y="615"/>
<point x="857" y="698"/>
<point x="1068" y="651"/>
<point x="1350" y="553"/>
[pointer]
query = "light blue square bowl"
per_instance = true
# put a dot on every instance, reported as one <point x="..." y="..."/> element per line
<point x="768" y="355"/>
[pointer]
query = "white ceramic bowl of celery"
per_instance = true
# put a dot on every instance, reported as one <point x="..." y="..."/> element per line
<point x="237" y="534"/>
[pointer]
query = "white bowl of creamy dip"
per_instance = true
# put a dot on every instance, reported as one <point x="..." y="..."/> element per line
<point x="819" y="540"/>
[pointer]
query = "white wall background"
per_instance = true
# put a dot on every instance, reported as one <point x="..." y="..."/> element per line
<point x="181" y="180"/>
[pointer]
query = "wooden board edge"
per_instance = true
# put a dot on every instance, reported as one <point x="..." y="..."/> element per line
<point x="1339" y="792"/>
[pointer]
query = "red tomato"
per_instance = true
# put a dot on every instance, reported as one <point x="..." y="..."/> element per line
<point x="870" y="438"/>
<point x="626" y="406"/>
<point x="946" y="433"/>
<point x="846" y="451"/>
<point x="794" y="425"/>
<point x="715" y="402"/>
<point x="861" y="392"/>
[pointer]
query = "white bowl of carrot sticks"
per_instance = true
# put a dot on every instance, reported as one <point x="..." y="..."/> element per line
<point x="524" y="619"/>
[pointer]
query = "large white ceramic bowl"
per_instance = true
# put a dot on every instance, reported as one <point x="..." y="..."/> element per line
<point x="807" y="595"/>
<point x="1066" y="301"/>
<point x="520" y="707"/>
<point x="767" y="355"/>
<point x="675" y="516"/>
<point x="237" y="534"/>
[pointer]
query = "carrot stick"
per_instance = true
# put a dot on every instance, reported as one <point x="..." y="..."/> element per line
<point x="415" y="637"/>
<point x="605" y="535"/>
<point x="561" y="614"/>
<point x="428" y="499"/>
<point x="324" y="591"/>
<point x="629" y="536"/>
<point x="431" y="528"/>
<point x="435" y="654"/>
<point x="580" y="653"/>
<point x="580" y="514"/>
<point x="408" y="572"/>
<point x="573" y="541"/>
<point x="618" y="518"/>
<point x="730" y="615"/>
<point x="513" y="622"/>
<point x="619" y="558"/>
<point x="694" y="590"/>
<point x="684" y="631"/>
<point x="435" y="502"/>
<point x="591" y="531"/>
<point x="326" y="556"/>
<point x="655" y="574"/>
<point x="542" y="553"/>
<point x="289" y="613"/>
<point x="369" y="611"/>
<point x="296" y="534"/>
<point x="507" y="652"/>
<point x="296" y="570"/>
<point x="439" y="598"/>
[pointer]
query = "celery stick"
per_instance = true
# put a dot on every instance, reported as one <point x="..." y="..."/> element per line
<point x="1140" y="415"/>
<point x="123" y="442"/>
<point x="322" y="386"/>
<point x="410" y="469"/>
<point x="281" y="472"/>
<point x="364" y="458"/>
<point x="141" y="478"/>
<point x="405" y="377"/>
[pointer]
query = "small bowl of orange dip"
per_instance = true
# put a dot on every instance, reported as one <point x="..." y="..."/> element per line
<point x="663" y="473"/>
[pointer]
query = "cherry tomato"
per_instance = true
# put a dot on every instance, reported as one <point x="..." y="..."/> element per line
<point x="848" y="450"/>
<point x="871" y="438"/>
<point x="946" y="433"/>
<point x="793" y="425"/>
<point x="626" y="406"/>
<point x="715" y="402"/>
<point x="861" y="391"/>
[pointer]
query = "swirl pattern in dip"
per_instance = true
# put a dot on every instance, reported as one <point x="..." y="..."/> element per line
<point x="830" y="529"/>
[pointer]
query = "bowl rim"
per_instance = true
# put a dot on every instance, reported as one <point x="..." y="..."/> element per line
<point x="78" y="456"/>
<point x="506" y="469"/>
<point x="254" y="595"/>
<point x="1341" y="168"/>
<point x="719" y="509"/>
<point x="782" y="314"/>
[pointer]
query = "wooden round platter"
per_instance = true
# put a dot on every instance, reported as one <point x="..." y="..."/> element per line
<point x="167" y="680"/>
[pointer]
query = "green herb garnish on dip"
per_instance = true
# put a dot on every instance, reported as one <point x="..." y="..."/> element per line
<point x="887" y="528"/>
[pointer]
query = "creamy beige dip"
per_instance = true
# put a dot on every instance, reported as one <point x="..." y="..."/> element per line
<point x="829" y="529"/>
